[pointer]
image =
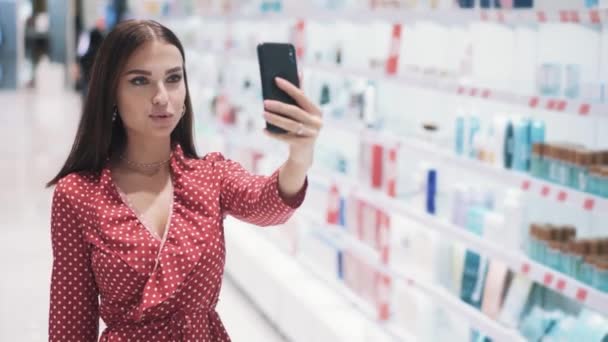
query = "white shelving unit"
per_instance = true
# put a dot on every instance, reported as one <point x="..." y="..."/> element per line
<point x="569" y="197"/>
<point x="516" y="179"/>
<point x="474" y="317"/>
<point x="517" y="261"/>
<point x="303" y="306"/>
<point x="451" y="86"/>
<point x="507" y="16"/>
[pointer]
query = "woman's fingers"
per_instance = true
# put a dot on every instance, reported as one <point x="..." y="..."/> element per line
<point x="298" y="95"/>
<point x="294" y="112"/>
<point x="290" y="125"/>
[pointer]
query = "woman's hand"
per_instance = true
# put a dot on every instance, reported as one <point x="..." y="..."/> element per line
<point x="303" y="123"/>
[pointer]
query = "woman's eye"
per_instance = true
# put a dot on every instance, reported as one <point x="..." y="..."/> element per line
<point x="174" y="78"/>
<point x="139" y="81"/>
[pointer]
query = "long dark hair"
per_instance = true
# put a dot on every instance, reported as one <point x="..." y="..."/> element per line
<point x="98" y="137"/>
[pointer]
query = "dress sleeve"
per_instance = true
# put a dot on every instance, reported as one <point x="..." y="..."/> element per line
<point x="253" y="198"/>
<point x="74" y="308"/>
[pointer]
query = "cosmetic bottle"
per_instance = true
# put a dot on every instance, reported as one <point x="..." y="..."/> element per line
<point x="537" y="165"/>
<point x="580" y="171"/>
<point x="461" y="130"/>
<point x="600" y="275"/>
<point x="533" y="241"/>
<point x="594" y="179"/>
<point x="522" y="147"/>
<point x="577" y="251"/>
<point x="515" y="214"/>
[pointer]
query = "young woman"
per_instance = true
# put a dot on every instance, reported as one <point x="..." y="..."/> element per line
<point x="137" y="217"/>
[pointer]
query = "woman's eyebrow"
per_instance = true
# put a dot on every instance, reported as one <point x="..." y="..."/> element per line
<point x="179" y="68"/>
<point x="148" y="73"/>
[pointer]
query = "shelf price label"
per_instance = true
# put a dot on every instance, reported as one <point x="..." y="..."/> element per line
<point x="548" y="279"/>
<point x="581" y="295"/>
<point x="392" y="63"/>
<point x="589" y="204"/>
<point x="533" y="102"/>
<point x="391" y="172"/>
<point x="525" y="268"/>
<point x="561" y="285"/>
<point x="333" y="210"/>
<point x="300" y="38"/>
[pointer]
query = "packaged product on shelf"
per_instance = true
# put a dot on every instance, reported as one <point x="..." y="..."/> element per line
<point x="325" y="254"/>
<point x="496" y="140"/>
<point x="600" y="276"/>
<point x="497" y="282"/>
<point x="334" y="206"/>
<point x="461" y="198"/>
<point x="494" y="227"/>
<point x="515" y="213"/>
<point x="537" y="163"/>
<point x="572" y="82"/>
<point x="415" y="250"/>
<point x="473" y="277"/>
<point x="460" y="138"/>
<point x="521" y="145"/>
<point x="583" y="160"/>
<point x="577" y="250"/>
<point x="590" y="326"/>
<point x="515" y="301"/>
<point x="539" y="322"/>
<point x="550" y="79"/>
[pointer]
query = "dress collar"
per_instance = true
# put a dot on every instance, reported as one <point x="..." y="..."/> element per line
<point x="178" y="163"/>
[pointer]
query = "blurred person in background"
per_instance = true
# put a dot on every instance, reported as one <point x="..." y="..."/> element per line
<point x="137" y="216"/>
<point x="36" y="37"/>
<point x="116" y="11"/>
<point x="88" y="45"/>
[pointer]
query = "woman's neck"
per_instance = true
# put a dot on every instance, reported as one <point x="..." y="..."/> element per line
<point x="147" y="152"/>
<point x="134" y="157"/>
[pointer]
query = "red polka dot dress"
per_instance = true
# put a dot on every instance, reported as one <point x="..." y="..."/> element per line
<point x="108" y="265"/>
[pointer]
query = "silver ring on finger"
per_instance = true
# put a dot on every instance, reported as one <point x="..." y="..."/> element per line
<point x="300" y="130"/>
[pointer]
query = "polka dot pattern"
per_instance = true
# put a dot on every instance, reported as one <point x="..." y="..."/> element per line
<point x="107" y="265"/>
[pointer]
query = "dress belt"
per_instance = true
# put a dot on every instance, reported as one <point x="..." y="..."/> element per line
<point x="181" y="323"/>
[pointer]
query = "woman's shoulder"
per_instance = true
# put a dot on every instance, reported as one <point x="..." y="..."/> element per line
<point x="76" y="182"/>
<point x="207" y="160"/>
<point x="213" y="164"/>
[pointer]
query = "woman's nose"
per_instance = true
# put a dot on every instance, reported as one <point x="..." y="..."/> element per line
<point x="161" y="97"/>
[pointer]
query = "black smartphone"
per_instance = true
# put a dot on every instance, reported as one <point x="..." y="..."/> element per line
<point x="277" y="60"/>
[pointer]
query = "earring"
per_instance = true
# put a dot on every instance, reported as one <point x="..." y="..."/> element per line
<point x="115" y="114"/>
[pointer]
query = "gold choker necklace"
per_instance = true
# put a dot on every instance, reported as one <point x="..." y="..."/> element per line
<point x="145" y="165"/>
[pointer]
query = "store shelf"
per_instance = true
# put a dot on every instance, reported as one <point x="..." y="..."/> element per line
<point x="365" y="308"/>
<point x="451" y="86"/>
<point x="301" y="305"/>
<point x="550" y="191"/>
<point x="517" y="261"/>
<point x="556" y="193"/>
<point x="450" y="16"/>
<point x="474" y="317"/>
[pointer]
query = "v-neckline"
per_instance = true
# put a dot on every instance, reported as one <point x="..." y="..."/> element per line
<point x="140" y="218"/>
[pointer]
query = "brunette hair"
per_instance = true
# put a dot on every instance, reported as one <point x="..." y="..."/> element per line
<point x="98" y="136"/>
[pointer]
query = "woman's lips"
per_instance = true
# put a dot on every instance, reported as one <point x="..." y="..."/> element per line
<point x="161" y="115"/>
<point x="161" y="118"/>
